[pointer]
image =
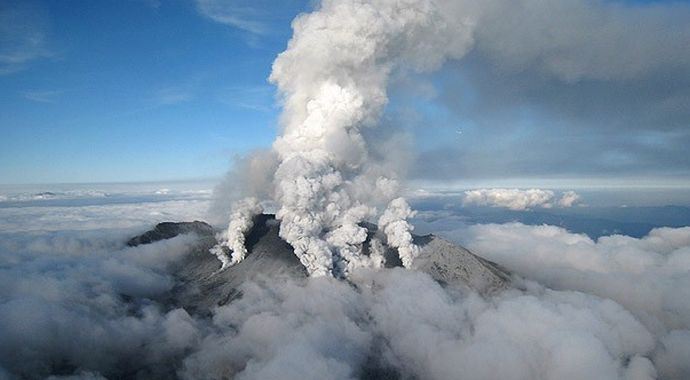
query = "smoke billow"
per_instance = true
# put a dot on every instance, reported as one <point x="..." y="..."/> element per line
<point x="333" y="80"/>
<point x="241" y="221"/>
<point x="394" y="224"/>
<point x="251" y="176"/>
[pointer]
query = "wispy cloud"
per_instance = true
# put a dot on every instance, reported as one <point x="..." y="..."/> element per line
<point x="23" y="36"/>
<point x="153" y="4"/>
<point x="241" y="15"/>
<point x="42" y="96"/>
<point x="172" y="95"/>
<point x="257" y="98"/>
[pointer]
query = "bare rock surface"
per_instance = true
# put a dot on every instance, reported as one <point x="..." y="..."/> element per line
<point x="200" y="285"/>
<point x="168" y="230"/>
<point x="452" y="264"/>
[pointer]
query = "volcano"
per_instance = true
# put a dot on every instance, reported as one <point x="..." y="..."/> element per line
<point x="200" y="286"/>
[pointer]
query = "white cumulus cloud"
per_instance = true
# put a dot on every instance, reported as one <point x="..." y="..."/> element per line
<point x="75" y="301"/>
<point x="649" y="276"/>
<point x="518" y="199"/>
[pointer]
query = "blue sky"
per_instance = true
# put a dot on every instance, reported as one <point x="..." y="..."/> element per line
<point x="148" y="90"/>
<point x="133" y="90"/>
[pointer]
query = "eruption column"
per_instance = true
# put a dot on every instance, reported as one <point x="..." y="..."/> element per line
<point x="332" y="80"/>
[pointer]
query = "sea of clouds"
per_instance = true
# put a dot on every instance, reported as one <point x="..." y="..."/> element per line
<point x="76" y="302"/>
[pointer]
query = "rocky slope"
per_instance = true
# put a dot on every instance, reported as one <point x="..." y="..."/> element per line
<point x="200" y="286"/>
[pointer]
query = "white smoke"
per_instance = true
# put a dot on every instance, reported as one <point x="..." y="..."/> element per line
<point x="251" y="176"/>
<point x="333" y="80"/>
<point x="241" y="221"/>
<point x="394" y="224"/>
<point x="518" y="199"/>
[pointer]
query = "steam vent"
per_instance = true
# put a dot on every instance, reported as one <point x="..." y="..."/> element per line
<point x="201" y="286"/>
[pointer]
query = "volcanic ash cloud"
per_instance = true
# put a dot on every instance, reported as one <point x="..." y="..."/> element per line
<point x="332" y="80"/>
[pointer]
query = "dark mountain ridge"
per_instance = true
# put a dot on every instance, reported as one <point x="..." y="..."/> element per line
<point x="200" y="285"/>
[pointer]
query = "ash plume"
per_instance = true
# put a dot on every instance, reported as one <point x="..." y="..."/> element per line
<point x="234" y="237"/>
<point x="332" y="81"/>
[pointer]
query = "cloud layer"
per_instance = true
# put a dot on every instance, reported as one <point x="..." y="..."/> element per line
<point x="517" y="199"/>
<point x="648" y="276"/>
<point x="75" y="301"/>
<point x="402" y="322"/>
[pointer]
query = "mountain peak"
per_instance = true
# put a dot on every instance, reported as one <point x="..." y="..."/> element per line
<point x="200" y="286"/>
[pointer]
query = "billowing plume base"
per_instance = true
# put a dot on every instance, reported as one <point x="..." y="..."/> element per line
<point x="345" y="246"/>
<point x="332" y="81"/>
<point x="201" y="287"/>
